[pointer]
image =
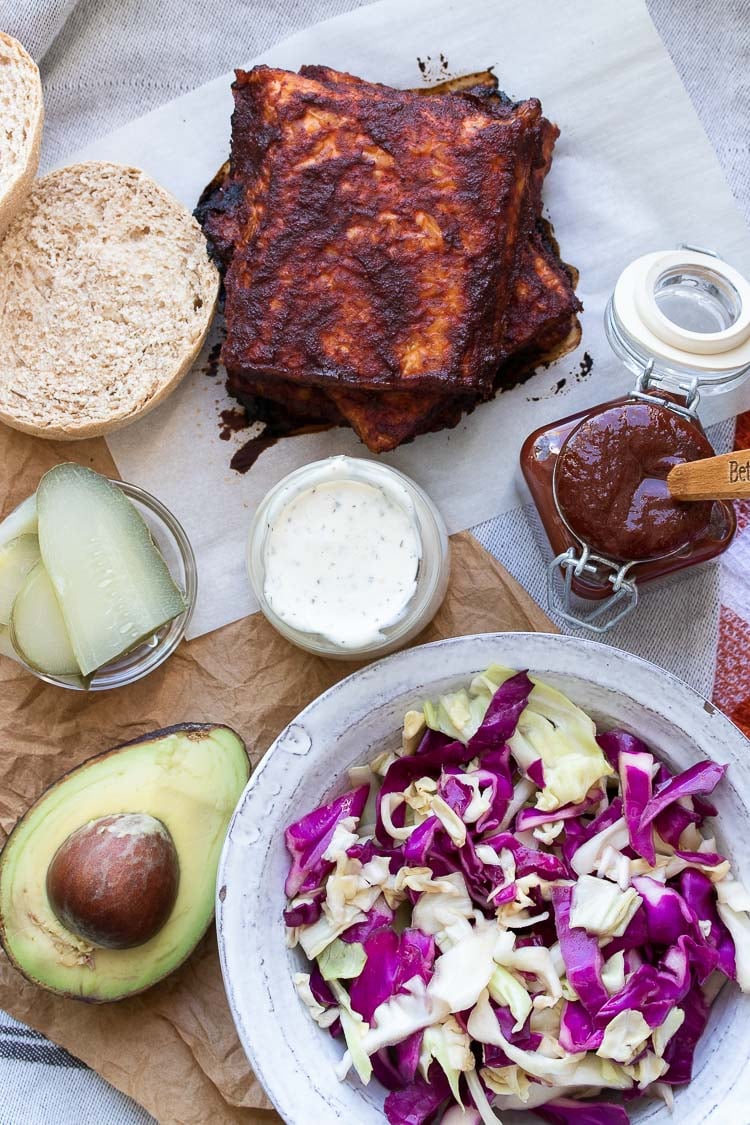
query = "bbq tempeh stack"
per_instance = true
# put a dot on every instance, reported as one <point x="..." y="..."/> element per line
<point x="386" y="261"/>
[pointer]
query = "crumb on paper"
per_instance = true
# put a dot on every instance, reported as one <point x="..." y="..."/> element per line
<point x="584" y="368"/>
<point x="434" y="70"/>
<point x="562" y="386"/>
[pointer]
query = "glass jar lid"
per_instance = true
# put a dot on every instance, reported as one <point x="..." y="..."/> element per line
<point x="688" y="311"/>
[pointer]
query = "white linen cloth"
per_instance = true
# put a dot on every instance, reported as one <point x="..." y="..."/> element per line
<point x="104" y="62"/>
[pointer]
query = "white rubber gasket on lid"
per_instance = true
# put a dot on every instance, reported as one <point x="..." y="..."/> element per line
<point x="642" y="319"/>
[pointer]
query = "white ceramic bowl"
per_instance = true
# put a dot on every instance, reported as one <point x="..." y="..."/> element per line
<point x="349" y="724"/>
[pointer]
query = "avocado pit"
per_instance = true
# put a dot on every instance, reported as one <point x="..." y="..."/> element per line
<point x="183" y="783"/>
<point x="114" y="881"/>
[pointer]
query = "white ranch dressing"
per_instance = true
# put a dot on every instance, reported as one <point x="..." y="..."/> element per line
<point x="341" y="560"/>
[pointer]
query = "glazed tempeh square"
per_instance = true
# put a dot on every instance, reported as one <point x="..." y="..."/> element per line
<point x="540" y="318"/>
<point x="374" y="233"/>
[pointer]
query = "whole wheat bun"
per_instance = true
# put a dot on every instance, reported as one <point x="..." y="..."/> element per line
<point x="21" y="116"/>
<point x="106" y="296"/>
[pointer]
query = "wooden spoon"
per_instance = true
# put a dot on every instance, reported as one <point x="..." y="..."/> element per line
<point x="726" y="477"/>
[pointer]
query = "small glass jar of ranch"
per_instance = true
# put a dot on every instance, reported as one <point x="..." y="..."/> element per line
<point x="348" y="558"/>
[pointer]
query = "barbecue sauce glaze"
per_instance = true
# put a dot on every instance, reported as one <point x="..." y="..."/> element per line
<point x="611" y="481"/>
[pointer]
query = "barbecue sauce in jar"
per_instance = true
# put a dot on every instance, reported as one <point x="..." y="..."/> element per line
<point x="611" y="482"/>
<point x="680" y="321"/>
<point x="598" y="480"/>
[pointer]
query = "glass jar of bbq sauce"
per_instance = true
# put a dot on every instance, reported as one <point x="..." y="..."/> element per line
<point x="680" y="320"/>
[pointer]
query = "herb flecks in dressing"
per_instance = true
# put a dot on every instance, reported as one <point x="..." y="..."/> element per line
<point x="341" y="561"/>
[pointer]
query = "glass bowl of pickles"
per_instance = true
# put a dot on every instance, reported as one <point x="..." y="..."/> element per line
<point x="97" y="581"/>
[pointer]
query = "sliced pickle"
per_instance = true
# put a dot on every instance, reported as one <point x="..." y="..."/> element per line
<point x="37" y="629"/>
<point x="112" y="583"/>
<point x="22" y="521"/>
<point x="17" y="558"/>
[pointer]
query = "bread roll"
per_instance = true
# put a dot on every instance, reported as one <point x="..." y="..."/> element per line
<point x="106" y="296"/>
<point x="21" y="114"/>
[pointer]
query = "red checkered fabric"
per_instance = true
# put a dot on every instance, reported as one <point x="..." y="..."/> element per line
<point x="732" y="685"/>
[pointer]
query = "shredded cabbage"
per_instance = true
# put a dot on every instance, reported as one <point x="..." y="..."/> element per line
<point x="613" y="973"/>
<point x="564" y="737"/>
<point x="464" y="971"/>
<point x="731" y="897"/>
<point x="323" y="1017"/>
<point x="355" y="1031"/>
<point x="624" y="1037"/>
<point x="342" y="961"/>
<point x="510" y="991"/>
<point x="414" y="728"/>
<point x="662" y="1035"/>
<point x="480" y="1100"/>
<point x="446" y="913"/>
<point x="456" y="1115"/>
<point x="447" y="1044"/>
<point x="572" y="1070"/>
<point x="509" y="911"/>
<point x="601" y="908"/>
<point x="509" y="1081"/>
<point x="402" y="1015"/>
<point x="458" y="714"/>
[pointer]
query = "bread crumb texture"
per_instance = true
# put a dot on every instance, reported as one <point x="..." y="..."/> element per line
<point x="20" y="109"/>
<point x="106" y="295"/>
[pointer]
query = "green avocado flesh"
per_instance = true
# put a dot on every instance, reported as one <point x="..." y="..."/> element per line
<point x="190" y="778"/>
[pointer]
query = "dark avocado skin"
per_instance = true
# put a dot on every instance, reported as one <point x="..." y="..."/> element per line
<point x="163" y="732"/>
<point x="194" y="732"/>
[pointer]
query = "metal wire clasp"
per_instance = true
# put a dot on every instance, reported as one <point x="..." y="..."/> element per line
<point x="698" y="249"/>
<point x="624" y="590"/>
<point x="647" y="382"/>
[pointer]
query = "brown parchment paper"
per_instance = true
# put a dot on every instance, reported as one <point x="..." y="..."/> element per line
<point x="174" y="1049"/>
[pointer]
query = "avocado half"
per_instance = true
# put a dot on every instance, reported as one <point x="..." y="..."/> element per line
<point x="190" y="778"/>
